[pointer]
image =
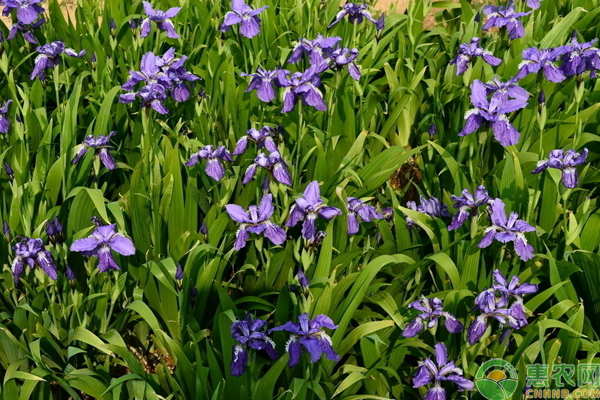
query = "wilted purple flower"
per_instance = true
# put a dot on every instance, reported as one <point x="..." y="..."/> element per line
<point x="27" y="30"/>
<point x="54" y="230"/>
<point x="203" y="228"/>
<point x="499" y="16"/>
<point x="467" y="205"/>
<point x="249" y="333"/>
<point x="316" y="49"/>
<point x="262" y="138"/>
<point x="356" y="13"/>
<point x="430" y="312"/>
<point x="4" y="121"/>
<point x="502" y="92"/>
<point x="244" y="14"/>
<point x="214" y="167"/>
<point x="27" y="10"/>
<point x="536" y="60"/>
<point x="304" y="85"/>
<point x="308" y="208"/>
<point x="493" y="111"/>
<point x="112" y="24"/>
<point x="467" y="51"/>
<point x="32" y="252"/>
<point x="133" y="23"/>
<point x="255" y="220"/>
<point x="274" y="164"/>
<point x="432" y="207"/>
<point x="542" y="97"/>
<point x="97" y="221"/>
<point x="581" y="57"/>
<point x="179" y="272"/>
<point x="310" y="335"/>
<point x="388" y="213"/>
<point x="5" y="229"/>
<point x="441" y="370"/>
<point x="161" y="18"/>
<point x="566" y="163"/>
<point x="432" y="130"/>
<point x="356" y="208"/>
<point x="9" y="171"/>
<point x="508" y="230"/>
<point x="161" y="75"/>
<point x="303" y="281"/>
<point x="104" y="239"/>
<point x="70" y="274"/>
<point x="49" y="58"/>
<point x="262" y="81"/>
<point x="101" y="146"/>
<point x="345" y="56"/>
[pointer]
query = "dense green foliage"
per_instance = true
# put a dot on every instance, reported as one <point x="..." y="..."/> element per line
<point x="139" y="333"/>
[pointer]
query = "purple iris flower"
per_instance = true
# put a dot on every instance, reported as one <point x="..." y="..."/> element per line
<point x="502" y="92"/>
<point x="214" y="167"/>
<point x="567" y="163"/>
<point x="27" y="10"/>
<point x="262" y="138"/>
<point x="430" y="312"/>
<point x="304" y="85"/>
<point x="468" y="51"/>
<point x="101" y="146"/>
<point x="499" y="16"/>
<point x="516" y="290"/>
<point x="255" y="220"/>
<point x="508" y="230"/>
<point x="31" y="252"/>
<point x="4" y="121"/>
<point x="104" y="239"/>
<point x="177" y="75"/>
<point x="310" y="335"/>
<point x="316" y="49"/>
<point x="308" y="208"/>
<point x="441" y="370"/>
<point x="581" y="57"/>
<point x="345" y="56"/>
<point x="274" y="164"/>
<point x="357" y="13"/>
<point x="495" y="304"/>
<point x="49" y="58"/>
<point x="244" y="14"/>
<point x="161" y="18"/>
<point x="467" y="205"/>
<point x="536" y="60"/>
<point x="534" y="4"/>
<point x="262" y="81"/>
<point x="54" y="230"/>
<point x="161" y="75"/>
<point x="357" y="208"/>
<point x="250" y="333"/>
<point x="432" y="207"/>
<point x="27" y="30"/>
<point x="494" y="111"/>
